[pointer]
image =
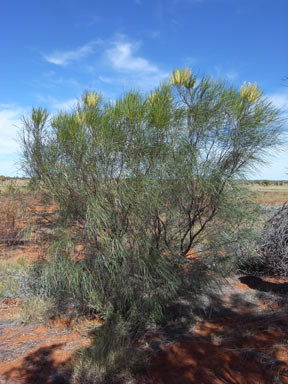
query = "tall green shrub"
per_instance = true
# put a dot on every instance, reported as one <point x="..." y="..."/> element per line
<point x="140" y="181"/>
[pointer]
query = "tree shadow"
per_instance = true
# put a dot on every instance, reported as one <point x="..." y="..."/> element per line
<point x="258" y="284"/>
<point x="41" y="367"/>
<point x="235" y="344"/>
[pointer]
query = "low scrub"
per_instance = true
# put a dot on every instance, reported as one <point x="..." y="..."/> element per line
<point x="9" y="228"/>
<point x="13" y="215"/>
<point x="275" y="242"/>
<point x="35" y="309"/>
<point x="16" y="279"/>
<point x="70" y="284"/>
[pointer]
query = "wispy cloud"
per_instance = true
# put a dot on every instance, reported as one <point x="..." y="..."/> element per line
<point x="10" y="121"/>
<point x="63" y="58"/>
<point x="10" y="126"/>
<point x="65" y="105"/>
<point x="190" y="61"/>
<point x="55" y="105"/>
<point x="229" y="74"/>
<point x="129" y="68"/>
<point x="280" y="100"/>
<point x="116" y="63"/>
<point x="105" y="79"/>
<point x="122" y="57"/>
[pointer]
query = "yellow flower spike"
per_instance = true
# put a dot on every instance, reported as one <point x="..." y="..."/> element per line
<point x="188" y="78"/>
<point x="183" y="77"/>
<point x="153" y="96"/>
<point x="80" y="118"/>
<point x="175" y="77"/>
<point x="91" y="99"/>
<point x="172" y="79"/>
<point x="250" y="92"/>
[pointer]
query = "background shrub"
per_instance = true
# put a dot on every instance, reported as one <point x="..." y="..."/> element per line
<point x="274" y="242"/>
<point x="16" y="279"/>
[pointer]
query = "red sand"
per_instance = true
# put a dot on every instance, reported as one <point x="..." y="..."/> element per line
<point x="245" y="349"/>
<point x="221" y="355"/>
<point x="250" y="347"/>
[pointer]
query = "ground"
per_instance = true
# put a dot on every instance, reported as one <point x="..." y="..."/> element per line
<point x="244" y="340"/>
<point x="237" y="335"/>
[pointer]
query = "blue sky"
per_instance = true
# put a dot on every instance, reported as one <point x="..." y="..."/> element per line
<point x="54" y="50"/>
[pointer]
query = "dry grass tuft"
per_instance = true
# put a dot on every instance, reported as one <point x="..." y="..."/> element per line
<point x="36" y="310"/>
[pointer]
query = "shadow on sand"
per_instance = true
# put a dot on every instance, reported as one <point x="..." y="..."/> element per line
<point x="41" y="367"/>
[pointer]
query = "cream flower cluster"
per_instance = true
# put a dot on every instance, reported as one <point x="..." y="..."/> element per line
<point x="250" y="92"/>
<point x="183" y="77"/>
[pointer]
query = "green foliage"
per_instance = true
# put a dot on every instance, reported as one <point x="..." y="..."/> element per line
<point x="266" y="183"/>
<point x="113" y="359"/>
<point x="141" y="181"/>
<point x="16" y="279"/>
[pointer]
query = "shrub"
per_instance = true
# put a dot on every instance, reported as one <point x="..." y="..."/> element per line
<point x="13" y="214"/>
<point x="112" y="359"/>
<point x="16" y="279"/>
<point x="9" y="226"/>
<point x="36" y="309"/>
<point x="266" y="183"/>
<point x="140" y="182"/>
<point x="275" y="242"/>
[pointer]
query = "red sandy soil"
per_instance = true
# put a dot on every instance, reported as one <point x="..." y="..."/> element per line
<point x="25" y="211"/>
<point x="249" y="345"/>
<point x="191" y="254"/>
<point x="36" y="353"/>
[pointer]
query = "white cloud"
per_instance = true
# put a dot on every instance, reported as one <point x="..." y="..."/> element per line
<point x="122" y="57"/>
<point x="118" y="62"/>
<point x="66" y="105"/>
<point x="55" y="105"/>
<point x="229" y="74"/>
<point x="9" y="166"/>
<point x="105" y="79"/>
<point x="280" y="99"/>
<point x="189" y="61"/>
<point x="130" y="69"/>
<point x="10" y="123"/>
<point x="276" y="167"/>
<point x="63" y="58"/>
<point x="10" y="126"/>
